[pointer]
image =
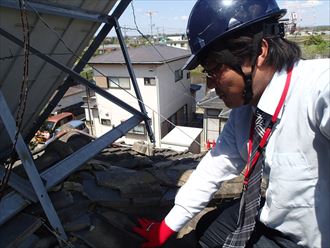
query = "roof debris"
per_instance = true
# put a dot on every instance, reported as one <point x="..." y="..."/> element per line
<point x="99" y="204"/>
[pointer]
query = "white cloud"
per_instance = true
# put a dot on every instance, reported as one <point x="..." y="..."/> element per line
<point x="184" y="18"/>
<point x="180" y="18"/>
<point x="311" y="3"/>
<point x="309" y="12"/>
<point x="301" y="4"/>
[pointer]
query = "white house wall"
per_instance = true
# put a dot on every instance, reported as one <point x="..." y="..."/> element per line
<point x="166" y="97"/>
<point x="173" y="95"/>
<point x="108" y="110"/>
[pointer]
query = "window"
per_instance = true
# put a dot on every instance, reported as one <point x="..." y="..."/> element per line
<point x="188" y="74"/>
<point x="178" y="75"/>
<point x="63" y="121"/>
<point x="88" y="122"/>
<point x="139" y="129"/>
<point x="149" y="81"/>
<point x="119" y="83"/>
<point x="213" y="113"/>
<point x="106" y="122"/>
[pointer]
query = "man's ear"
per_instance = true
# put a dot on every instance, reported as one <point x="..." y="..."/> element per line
<point x="263" y="54"/>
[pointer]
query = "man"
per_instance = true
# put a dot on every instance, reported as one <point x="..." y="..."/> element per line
<point x="258" y="73"/>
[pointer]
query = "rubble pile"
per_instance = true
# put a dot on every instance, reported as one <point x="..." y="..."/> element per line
<point x="98" y="205"/>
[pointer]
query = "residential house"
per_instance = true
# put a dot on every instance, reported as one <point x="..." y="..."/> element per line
<point x="178" y="41"/>
<point x="72" y="102"/>
<point x="215" y="116"/>
<point x="164" y="87"/>
<point x="106" y="48"/>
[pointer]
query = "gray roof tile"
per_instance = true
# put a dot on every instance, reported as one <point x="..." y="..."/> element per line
<point x="146" y="189"/>
<point x="156" y="54"/>
<point x="212" y="101"/>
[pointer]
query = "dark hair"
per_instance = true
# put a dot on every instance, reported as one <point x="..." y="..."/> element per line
<point x="282" y="53"/>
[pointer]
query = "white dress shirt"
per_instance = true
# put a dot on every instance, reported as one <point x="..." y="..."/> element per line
<point x="297" y="159"/>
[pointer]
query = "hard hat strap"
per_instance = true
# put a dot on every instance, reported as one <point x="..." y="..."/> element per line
<point x="256" y="46"/>
<point x="225" y="56"/>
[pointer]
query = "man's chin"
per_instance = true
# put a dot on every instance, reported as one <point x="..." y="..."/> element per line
<point x="231" y="105"/>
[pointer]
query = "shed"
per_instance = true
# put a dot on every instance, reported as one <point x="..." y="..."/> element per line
<point x="183" y="139"/>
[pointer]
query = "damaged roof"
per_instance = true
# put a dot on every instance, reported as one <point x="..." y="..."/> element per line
<point x="99" y="204"/>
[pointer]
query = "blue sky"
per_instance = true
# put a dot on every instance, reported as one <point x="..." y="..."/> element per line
<point x="171" y="16"/>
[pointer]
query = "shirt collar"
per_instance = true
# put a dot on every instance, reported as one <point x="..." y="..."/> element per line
<point x="272" y="94"/>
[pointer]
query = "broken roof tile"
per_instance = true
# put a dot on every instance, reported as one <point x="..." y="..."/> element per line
<point x="103" y="234"/>
<point x="124" y="184"/>
<point x="130" y="183"/>
<point x="103" y="195"/>
<point x="18" y="229"/>
<point x="77" y="224"/>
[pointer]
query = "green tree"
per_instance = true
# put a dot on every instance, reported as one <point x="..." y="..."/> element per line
<point x="316" y="47"/>
<point x="314" y="40"/>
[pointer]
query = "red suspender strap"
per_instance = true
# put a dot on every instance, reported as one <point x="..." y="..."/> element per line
<point x="263" y="142"/>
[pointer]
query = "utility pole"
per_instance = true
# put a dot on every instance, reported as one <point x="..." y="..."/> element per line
<point x="151" y="13"/>
<point x="157" y="28"/>
<point x="125" y="31"/>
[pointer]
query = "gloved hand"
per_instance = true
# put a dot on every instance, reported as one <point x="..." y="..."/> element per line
<point x="156" y="233"/>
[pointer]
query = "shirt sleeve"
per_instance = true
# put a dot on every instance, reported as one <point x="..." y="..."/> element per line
<point x="222" y="163"/>
<point x="323" y="110"/>
<point x="320" y="111"/>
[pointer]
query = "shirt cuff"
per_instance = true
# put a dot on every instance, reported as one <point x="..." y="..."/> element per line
<point x="177" y="218"/>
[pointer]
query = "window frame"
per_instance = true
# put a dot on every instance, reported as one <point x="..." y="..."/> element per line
<point x="149" y="79"/>
<point x="110" y="79"/>
<point x="141" y="125"/>
<point x="178" y="75"/>
<point x="105" y="122"/>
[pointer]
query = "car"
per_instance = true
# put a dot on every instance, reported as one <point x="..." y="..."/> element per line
<point x="71" y="125"/>
<point x="74" y="124"/>
<point x="48" y="128"/>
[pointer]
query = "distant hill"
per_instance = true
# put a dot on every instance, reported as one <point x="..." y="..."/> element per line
<point x="315" y="28"/>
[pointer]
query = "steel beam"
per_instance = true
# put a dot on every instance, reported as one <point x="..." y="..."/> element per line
<point x="20" y="185"/>
<point x="74" y="75"/>
<point x="62" y="169"/>
<point x="13" y="202"/>
<point x="30" y="168"/>
<point x="133" y="78"/>
<point x="79" y="67"/>
<point x="56" y="10"/>
<point x="10" y="205"/>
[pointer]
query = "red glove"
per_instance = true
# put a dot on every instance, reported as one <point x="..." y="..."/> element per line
<point x="155" y="232"/>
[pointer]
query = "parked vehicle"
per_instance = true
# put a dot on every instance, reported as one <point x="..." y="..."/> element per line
<point x="71" y="125"/>
<point x="48" y="128"/>
<point x="74" y="124"/>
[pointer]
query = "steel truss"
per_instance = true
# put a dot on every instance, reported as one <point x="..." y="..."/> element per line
<point x="35" y="188"/>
